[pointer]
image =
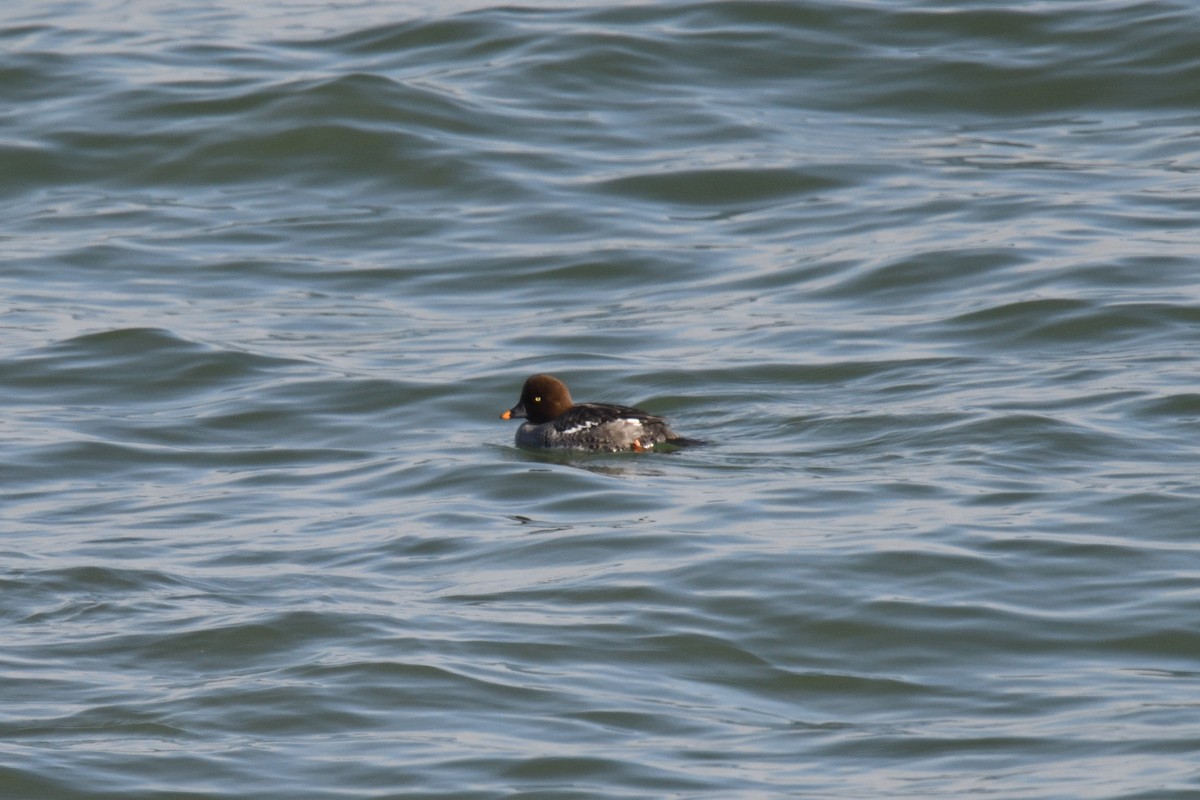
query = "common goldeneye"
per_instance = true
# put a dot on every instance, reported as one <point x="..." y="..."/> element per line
<point x="552" y="420"/>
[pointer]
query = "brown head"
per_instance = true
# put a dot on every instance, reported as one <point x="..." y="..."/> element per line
<point x="543" y="397"/>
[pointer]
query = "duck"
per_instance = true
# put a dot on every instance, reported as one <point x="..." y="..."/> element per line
<point x="552" y="420"/>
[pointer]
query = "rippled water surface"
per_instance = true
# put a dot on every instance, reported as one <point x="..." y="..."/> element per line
<point x="925" y="274"/>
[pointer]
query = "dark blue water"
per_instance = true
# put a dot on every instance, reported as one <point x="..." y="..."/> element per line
<point x="924" y="274"/>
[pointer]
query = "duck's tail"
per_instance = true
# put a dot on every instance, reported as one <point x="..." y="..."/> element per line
<point x="683" y="441"/>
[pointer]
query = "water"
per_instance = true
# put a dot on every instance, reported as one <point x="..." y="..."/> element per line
<point x="924" y="273"/>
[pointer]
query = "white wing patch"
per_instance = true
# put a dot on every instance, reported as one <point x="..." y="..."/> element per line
<point x="583" y="426"/>
<point x="591" y="423"/>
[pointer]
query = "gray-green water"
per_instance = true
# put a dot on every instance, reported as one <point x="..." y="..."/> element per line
<point x="927" y="275"/>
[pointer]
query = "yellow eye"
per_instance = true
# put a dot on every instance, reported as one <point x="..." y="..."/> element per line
<point x="537" y="399"/>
